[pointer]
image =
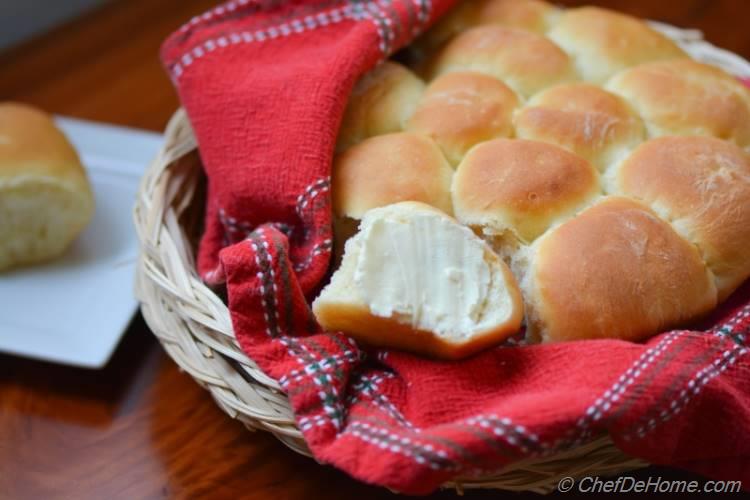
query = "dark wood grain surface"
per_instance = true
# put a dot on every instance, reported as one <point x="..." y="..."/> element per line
<point x="140" y="428"/>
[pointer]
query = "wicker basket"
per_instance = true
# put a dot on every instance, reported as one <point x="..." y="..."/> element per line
<point x="194" y="326"/>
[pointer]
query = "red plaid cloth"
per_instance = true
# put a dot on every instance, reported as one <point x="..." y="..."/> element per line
<point x="265" y="85"/>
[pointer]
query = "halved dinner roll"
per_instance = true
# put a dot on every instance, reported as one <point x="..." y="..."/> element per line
<point x="684" y="97"/>
<point x="415" y="279"/>
<point x="582" y="118"/>
<point x="459" y="110"/>
<point x="615" y="271"/>
<point x="525" y="61"/>
<point x="515" y="189"/>
<point x="380" y="103"/>
<point x="603" y="42"/>
<point x="702" y="186"/>
<point x="45" y="196"/>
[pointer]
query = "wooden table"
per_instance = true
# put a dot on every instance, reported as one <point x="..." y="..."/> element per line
<point x="139" y="428"/>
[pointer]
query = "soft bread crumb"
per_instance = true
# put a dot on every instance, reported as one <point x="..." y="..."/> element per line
<point x="38" y="220"/>
<point x="414" y="268"/>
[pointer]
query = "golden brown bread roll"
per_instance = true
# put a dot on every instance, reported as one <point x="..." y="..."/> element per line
<point x="415" y="279"/>
<point x="520" y="187"/>
<point x="387" y="169"/>
<point x="530" y="15"/>
<point x="525" y="61"/>
<point x="383" y="170"/>
<point x="616" y="270"/>
<point x="684" y="97"/>
<point x="459" y="110"/>
<point x="702" y="186"/>
<point x="603" y="42"/>
<point x="380" y="103"/>
<point x="584" y="119"/>
<point x="45" y="196"/>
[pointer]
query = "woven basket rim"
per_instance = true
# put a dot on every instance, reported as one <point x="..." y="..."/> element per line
<point x="193" y="324"/>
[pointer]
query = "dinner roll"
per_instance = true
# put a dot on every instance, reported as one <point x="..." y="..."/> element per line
<point x="45" y="196"/>
<point x="520" y="187"/>
<point x="530" y="15"/>
<point x="684" y="97"/>
<point x="603" y="42"/>
<point x="459" y="110"/>
<point x="386" y="169"/>
<point x="415" y="279"/>
<point x="701" y="185"/>
<point x="584" y="119"/>
<point x="380" y="103"/>
<point x="525" y="61"/>
<point x="616" y="271"/>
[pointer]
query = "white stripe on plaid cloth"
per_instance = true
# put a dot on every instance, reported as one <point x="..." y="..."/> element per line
<point x="368" y="385"/>
<point x="612" y="395"/>
<point x="298" y="375"/>
<point x="422" y="448"/>
<point x="692" y="389"/>
<point x="603" y="404"/>
<point x="269" y="305"/>
<point x="422" y="453"/>
<point x="311" y="192"/>
<point x="216" y="12"/>
<point x="356" y="12"/>
<point x="320" y="249"/>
